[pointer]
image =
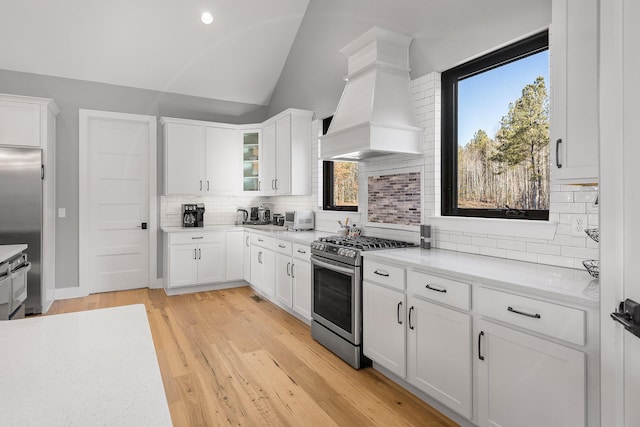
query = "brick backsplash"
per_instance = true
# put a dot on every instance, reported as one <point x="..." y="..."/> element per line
<point x="394" y="199"/>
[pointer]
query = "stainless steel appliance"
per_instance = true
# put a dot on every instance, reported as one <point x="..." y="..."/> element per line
<point x="13" y="287"/>
<point x="193" y="215"/>
<point x="278" y="219"/>
<point x="299" y="220"/>
<point x="259" y="216"/>
<point x="241" y="216"/>
<point x="336" y="297"/>
<point x="21" y="213"/>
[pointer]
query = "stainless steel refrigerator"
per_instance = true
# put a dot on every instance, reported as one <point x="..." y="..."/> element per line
<point x="21" y="212"/>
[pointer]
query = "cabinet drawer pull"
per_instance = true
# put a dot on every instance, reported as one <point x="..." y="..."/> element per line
<point x="300" y="251"/>
<point x="558" y="164"/>
<point x="398" y="313"/>
<point x="381" y="273"/>
<point x="410" y="325"/>
<point x="196" y="238"/>
<point x="280" y="245"/>
<point x="522" y="313"/>
<point x="480" y="356"/>
<point x="260" y="240"/>
<point x="431" y="288"/>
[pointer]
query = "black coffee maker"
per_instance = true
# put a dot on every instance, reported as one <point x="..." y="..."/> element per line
<point x="193" y="215"/>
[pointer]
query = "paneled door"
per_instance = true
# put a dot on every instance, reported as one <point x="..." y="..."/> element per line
<point x="116" y="225"/>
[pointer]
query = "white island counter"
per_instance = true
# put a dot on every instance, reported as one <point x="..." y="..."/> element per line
<point x="95" y="367"/>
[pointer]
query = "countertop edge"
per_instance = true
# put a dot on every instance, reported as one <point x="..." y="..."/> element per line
<point x="9" y="251"/>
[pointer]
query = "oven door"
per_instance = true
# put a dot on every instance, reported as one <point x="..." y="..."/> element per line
<point x="336" y="296"/>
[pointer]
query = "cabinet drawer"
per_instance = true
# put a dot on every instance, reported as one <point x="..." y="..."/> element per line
<point x="196" y="237"/>
<point x="284" y="247"/>
<point x="439" y="289"/>
<point x="263" y="241"/>
<point x="387" y="275"/>
<point x="547" y="318"/>
<point x="302" y="252"/>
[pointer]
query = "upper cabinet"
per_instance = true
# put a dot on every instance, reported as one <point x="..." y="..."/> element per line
<point x="286" y="154"/>
<point x="201" y="158"/>
<point x="251" y="156"/>
<point x="574" y="96"/>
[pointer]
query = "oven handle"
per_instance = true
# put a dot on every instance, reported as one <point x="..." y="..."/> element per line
<point x="332" y="266"/>
<point x="25" y="268"/>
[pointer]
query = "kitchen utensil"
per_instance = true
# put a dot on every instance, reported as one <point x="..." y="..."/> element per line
<point x="241" y="216"/>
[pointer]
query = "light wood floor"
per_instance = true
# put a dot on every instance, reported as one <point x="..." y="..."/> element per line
<point x="229" y="359"/>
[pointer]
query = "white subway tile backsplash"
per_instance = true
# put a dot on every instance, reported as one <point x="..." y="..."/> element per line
<point x="585" y="196"/>
<point x="495" y="252"/>
<point x="522" y="256"/>
<point x="514" y="245"/>
<point x="540" y="248"/>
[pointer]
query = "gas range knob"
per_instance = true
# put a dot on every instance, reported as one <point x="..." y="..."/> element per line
<point x="352" y="253"/>
<point x="341" y="252"/>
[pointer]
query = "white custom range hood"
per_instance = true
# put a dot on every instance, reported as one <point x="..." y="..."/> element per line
<point x="376" y="114"/>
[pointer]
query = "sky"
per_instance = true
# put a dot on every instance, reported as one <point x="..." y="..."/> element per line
<point x="483" y="99"/>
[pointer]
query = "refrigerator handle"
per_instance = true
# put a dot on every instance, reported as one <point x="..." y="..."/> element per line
<point x="42" y="172"/>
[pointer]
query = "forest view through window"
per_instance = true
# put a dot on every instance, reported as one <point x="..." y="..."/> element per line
<point x="496" y="134"/>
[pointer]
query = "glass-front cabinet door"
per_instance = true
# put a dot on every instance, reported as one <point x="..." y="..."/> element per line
<point x="251" y="148"/>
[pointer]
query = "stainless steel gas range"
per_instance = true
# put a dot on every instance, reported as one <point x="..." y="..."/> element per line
<point x="336" y="297"/>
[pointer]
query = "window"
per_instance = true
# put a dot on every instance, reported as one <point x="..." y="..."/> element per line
<point x="495" y="134"/>
<point x="340" y="182"/>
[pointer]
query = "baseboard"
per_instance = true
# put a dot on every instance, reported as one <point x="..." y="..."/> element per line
<point x="72" y="292"/>
<point x="204" y="288"/>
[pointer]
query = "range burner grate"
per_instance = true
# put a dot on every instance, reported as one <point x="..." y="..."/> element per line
<point x="366" y="243"/>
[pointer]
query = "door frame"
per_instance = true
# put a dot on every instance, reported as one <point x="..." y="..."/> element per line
<point x="84" y="209"/>
<point x="611" y="150"/>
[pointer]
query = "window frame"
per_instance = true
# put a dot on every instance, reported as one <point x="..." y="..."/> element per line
<point x="328" y="198"/>
<point x="449" y="131"/>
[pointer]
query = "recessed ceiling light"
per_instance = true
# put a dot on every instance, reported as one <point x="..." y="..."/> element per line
<point x="206" y="18"/>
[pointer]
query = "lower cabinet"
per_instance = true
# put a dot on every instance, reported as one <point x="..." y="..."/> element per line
<point x="439" y="353"/>
<point x="284" y="280"/>
<point x="234" y="255"/>
<point x="262" y="270"/>
<point x="301" y="272"/>
<point x="191" y="263"/>
<point x="526" y="381"/>
<point x="246" y="256"/>
<point x="384" y="337"/>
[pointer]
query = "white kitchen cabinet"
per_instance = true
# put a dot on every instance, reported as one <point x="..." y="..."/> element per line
<point x="284" y="280"/>
<point x="194" y="258"/>
<point x="246" y="256"/>
<point x="439" y="355"/>
<point x="301" y="272"/>
<point x="183" y="159"/>
<point x="251" y="156"/>
<point x="201" y="158"/>
<point x="223" y="157"/>
<point x="286" y="153"/>
<point x="384" y="337"/>
<point x="574" y="91"/>
<point x="19" y="123"/>
<point x="234" y="255"/>
<point x="526" y="381"/>
<point x="263" y="270"/>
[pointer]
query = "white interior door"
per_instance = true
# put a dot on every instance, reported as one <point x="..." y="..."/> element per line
<point x="620" y="204"/>
<point x="115" y="200"/>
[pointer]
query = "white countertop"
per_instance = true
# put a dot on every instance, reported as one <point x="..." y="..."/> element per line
<point x="559" y="283"/>
<point x="8" y="251"/>
<point x="95" y="367"/>
<point x="279" y="232"/>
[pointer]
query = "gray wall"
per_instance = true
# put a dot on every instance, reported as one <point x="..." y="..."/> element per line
<point x="446" y="33"/>
<point x="71" y="95"/>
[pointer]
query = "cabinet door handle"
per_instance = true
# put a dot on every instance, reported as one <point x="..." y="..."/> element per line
<point x="207" y="185"/>
<point x="195" y="254"/>
<point x="273" y="185"/>
<point x="200" y="185"/>
<point x="293" y="272"/>
<point x="381" y="273"/>
<point x="247" y="241"/>
<point x="398" y="313"/>
<point x="522" y="313"/>
<point x="480" y="356"/>
<point x="260" y="257"/>
<point x="259" y="185"/>
<point x="280" y="245"/>
<point x="431" y="288"/>
<point x="558" y="164"/>
<point x="410" y="325"/>
<point x="276" y="183"/>
<point x="199" y="253"/>
<point x="289" y="269"/>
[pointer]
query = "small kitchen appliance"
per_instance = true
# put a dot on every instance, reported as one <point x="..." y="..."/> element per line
<point x="254" y="213"/>
<point x="241" y="216"/>
<point x="193" y="215"/>
<point x="278" y="219"/>
<point x="336" y="293"/>
<point x="299" y="220"/>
